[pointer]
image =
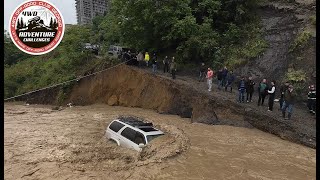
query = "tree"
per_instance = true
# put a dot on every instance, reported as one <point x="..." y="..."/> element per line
<point x="55" y="24"/>
<point x="21" y="23"/>
<point x="197" y="29"/>
<point x="18" y="24"/>
<point x="51" y="23"/>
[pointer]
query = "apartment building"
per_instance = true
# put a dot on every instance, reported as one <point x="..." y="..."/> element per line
<point x="88" y="9"/>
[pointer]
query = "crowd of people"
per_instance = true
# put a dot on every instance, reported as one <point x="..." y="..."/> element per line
<point x="246" y="87"/>
<point x="169" y="65"/>
<point x="226" y="80"/>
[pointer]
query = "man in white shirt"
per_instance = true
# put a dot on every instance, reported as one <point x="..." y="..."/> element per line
<point x="272" y="93"/>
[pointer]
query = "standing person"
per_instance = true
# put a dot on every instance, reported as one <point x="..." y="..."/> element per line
<point x="250" y="88"/>
<point x="209" y="79"/>
<point x="126" y="56"/>
<point x="312" y="99"/>
<point x="140" y="58"/>
<point x="242" y="89"/>
<point x="147" y="58"/>
<point x="262" y="89"/>
<point x="173" y="68"/>
<point x="154" y="63"/>
<point x="283" y="89"/>
<point x="230" y="79"/>
<point x="219" y="77"/>
<point x="202" y="72"/>
<point x="288" y="102"/>
<point x="224" y="76"/>
<point x="272" y="93"/>
<point x="165" y="64"/>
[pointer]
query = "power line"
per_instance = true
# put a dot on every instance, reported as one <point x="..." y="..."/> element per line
<point x="77" y="79"/>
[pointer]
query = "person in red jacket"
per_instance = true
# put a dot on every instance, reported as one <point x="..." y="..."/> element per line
<point x="209" y="78"/>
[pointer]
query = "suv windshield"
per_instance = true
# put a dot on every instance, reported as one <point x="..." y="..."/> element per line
<point x="152" y="137"/>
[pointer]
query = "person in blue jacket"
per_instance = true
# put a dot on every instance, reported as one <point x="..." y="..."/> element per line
<point x="242" y="89"/>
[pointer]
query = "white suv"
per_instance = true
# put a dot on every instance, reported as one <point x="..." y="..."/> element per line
<point x="131" y="132"/>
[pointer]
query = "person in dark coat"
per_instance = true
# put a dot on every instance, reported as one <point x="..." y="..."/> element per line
<point x="154" y="63"/>
<point x="289" y="100"/>
<point x="219" y="77"/>
<point x="166" y="64"/>
<point x="230" y="79"/>
<point x="312" y="99"/>
<point x="272" y="92"/>
<point x="202" y="72"/>
<point x="224" y="76"/>
<point x="242" y="89"/>
<point x="250" y="88"/>
<point x="283" y="89"/>
<point x="262" y="89"/>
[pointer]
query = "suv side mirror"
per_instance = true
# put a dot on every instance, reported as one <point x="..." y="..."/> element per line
<point x="141" y="145"/>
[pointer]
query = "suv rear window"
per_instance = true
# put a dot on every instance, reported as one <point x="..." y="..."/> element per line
<point x="115" y="126"/>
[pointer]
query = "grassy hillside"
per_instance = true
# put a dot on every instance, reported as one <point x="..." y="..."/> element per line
<point x="66" y="62"/>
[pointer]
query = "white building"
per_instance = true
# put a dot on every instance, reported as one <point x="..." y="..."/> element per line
<point x="88" y="9"/>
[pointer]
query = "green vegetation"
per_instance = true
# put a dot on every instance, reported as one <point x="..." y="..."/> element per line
<point x="313" y="20"/>
<point x="301" y="41"/>
<point x="253" y="46"/>
<point x="296" y="75"/>
<point x="66" y="62"/>
<point x="297" y="78"/>
<point x="202" y="30"/>
<point x="12" y="54"/>
<point x="218" y="32"/>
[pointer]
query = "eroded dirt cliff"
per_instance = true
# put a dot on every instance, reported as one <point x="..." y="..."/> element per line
<point x="132" y="87"/>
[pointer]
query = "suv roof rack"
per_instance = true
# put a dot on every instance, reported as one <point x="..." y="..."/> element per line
<point x="135" y="122"/>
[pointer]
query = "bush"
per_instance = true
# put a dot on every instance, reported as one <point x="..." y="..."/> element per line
<point x="300" y="41"/>
<point x="313" y="20"/>
<point x="296" y="76"/>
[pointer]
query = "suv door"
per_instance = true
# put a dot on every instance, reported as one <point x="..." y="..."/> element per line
<point x="127" y="138"/>
<point x="132" y="138"/>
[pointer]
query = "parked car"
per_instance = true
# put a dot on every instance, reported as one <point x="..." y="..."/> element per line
<point x="94" y="48"/>
<point x="132" y="133"/>
<point x="115" y="51"/>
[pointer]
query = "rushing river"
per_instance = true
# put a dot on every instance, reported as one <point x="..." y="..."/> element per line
<point x="41" y="143"/>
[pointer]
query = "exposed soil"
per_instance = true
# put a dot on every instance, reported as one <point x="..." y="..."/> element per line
<point x="41" y="143"/>
<point x="184" y="96"/>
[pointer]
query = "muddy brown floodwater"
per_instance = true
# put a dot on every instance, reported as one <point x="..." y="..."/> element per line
<point x="41" y="143"/>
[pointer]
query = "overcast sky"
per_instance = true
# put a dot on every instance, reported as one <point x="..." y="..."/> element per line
<point x="66" y="7"/>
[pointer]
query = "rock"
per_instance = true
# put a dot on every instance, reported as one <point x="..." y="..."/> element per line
<point x="55" y="108"/>
<point x="206" y="118"/>
<point x="247" y="109"/>
<point x="113" y="100"/>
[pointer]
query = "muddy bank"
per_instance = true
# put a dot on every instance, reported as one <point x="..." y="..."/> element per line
<point x="131" y="87"/>
<point x="41" y="143"/>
